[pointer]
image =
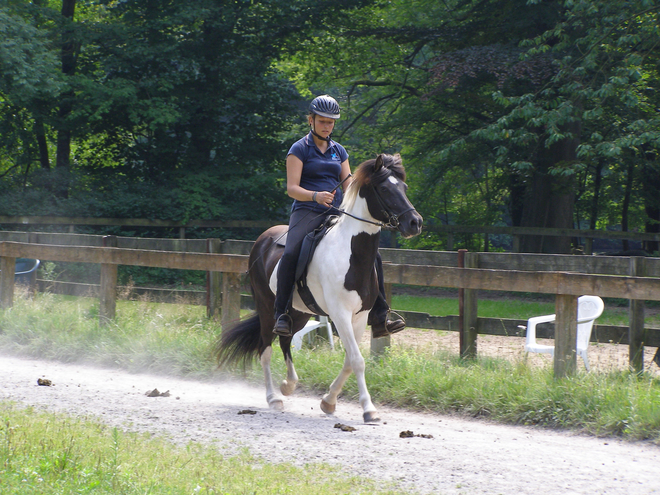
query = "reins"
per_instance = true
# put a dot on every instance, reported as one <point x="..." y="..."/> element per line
<point x="287" y="230"/>
<point x="392" y="218"/>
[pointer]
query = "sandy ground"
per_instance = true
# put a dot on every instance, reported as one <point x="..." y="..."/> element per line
<point x="602" y="357"/>
<point x="463" y="456"/>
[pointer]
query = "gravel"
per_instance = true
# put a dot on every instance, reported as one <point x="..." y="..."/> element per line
<point x="444" y="455"/>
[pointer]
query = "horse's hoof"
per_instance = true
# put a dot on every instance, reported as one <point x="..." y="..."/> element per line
<point x="328" y="408"/>
<point x="276" y="405"/>
<point x="287" y="388"/>
<point x="371" y="417"/>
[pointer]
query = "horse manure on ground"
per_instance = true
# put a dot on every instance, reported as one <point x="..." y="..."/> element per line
<point x="44" y="382"/>
<point x="410" y="434"/>
<point x="247" y="411"/>
<point x="344" y="427"/>
<point x="156" y="393"/>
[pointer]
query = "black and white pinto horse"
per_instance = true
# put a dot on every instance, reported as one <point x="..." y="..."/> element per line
<point x="341" y="277"/>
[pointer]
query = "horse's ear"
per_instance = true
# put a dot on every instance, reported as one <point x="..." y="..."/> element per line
<point x="379" y="163"/>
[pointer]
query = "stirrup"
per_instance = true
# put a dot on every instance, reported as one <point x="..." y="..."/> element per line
<point x="283" y="326"/>
<point x="388" y="327"/>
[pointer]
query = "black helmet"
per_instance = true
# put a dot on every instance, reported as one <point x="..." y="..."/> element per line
<point x="325" y="106"/>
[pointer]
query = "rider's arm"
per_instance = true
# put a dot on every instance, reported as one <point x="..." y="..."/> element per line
<point x="345" y="174"/>
<point x="294" y="168"/>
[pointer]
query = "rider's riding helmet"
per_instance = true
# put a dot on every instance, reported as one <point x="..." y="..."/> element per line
<point x="325" y="106"/>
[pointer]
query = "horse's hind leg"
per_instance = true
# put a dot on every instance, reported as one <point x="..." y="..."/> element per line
<point x="274" y="399"/>
<point x="288" y="385"/>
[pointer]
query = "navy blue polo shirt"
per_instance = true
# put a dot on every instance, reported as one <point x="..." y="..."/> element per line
<point x="320" y="172"/>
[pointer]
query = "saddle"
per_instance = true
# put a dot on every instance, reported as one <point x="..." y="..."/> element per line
<point x="307" y="249"/>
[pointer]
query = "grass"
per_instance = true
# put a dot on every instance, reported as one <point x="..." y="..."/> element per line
<point x="49" y="454"/>
<point x="615" y="313"/>
<point x="173" y="339"/>
<point x="177" y="339"/>
<point x="616" y="403"/>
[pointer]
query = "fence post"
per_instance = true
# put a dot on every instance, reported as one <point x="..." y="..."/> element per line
<point x="213" y="282"/>
<point x="467" y="309"/>
<point x="565" y="361"/>
<point x="8" y="267"/>
<point x="515" y="243"/>
<point x="231" y="298"/>
<point x="636" y="320"/>
<point x="108" y="289"/>
<point x="450" y="241"/>
<point x="588" y="246"/>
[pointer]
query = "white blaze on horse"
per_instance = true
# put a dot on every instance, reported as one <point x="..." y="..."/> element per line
<point x="341" y="277"/>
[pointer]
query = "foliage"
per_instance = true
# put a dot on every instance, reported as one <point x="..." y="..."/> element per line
<point x="514" y="112"/>
<point x="176" y="111"/>
<point x="501" y="108"/>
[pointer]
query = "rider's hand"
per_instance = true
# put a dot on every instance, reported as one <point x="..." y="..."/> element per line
<point x="325" y="198"/>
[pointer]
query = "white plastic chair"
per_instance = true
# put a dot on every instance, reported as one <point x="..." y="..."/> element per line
<point x="589" y="308"/>
<point x="297" y="340"/>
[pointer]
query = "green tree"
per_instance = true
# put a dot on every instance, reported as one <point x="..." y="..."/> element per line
<point x="28" y="79"/>
<point x="172" y="109"/>
<point x="525" y="100"/>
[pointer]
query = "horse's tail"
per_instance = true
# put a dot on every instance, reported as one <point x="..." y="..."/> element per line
<point x="239" y="343"/>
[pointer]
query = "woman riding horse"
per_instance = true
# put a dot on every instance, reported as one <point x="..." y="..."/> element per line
<point x="315" y="167"/>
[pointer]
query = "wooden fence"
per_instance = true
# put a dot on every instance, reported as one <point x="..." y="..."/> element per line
<point x="587" y="236"/>
<point x="635" y="279"/>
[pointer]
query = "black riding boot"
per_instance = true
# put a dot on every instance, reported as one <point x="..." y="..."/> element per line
<point x="285" y="280"/>
<point x="381" y="325"/>
<point x="300" y="223"/>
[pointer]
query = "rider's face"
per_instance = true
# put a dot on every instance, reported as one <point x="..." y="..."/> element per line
<point x="322" y="126"/>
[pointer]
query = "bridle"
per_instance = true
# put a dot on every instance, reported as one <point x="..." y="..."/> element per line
<point x="392" y="218"/>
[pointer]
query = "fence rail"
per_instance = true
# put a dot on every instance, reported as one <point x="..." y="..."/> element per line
<point x="635" y="279"/>
<point x="450" y="230"/>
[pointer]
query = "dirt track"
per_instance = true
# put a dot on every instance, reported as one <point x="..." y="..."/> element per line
<point x="464" y="456"/>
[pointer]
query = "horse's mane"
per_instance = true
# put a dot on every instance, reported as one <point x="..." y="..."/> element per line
<point x="365" y="174"/>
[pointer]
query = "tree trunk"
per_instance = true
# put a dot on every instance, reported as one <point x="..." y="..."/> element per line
<point x="68" y="58"/>
<point x="550" y="199"/>
<point x="625" y="245"/>
<point x="651" y="195"/>
<point x="593" y="214"/>
<point x="516" y="197"/>
<point x="40" y="133"/>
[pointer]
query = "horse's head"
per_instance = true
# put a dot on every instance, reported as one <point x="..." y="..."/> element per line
<point x="382" y="183"/>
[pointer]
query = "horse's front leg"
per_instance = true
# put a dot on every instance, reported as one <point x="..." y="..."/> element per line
<point x="288" y="385"/>
<point x="329" y="401"/>
<point x="275" y="400"/>
<point x="353" y="362"/>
